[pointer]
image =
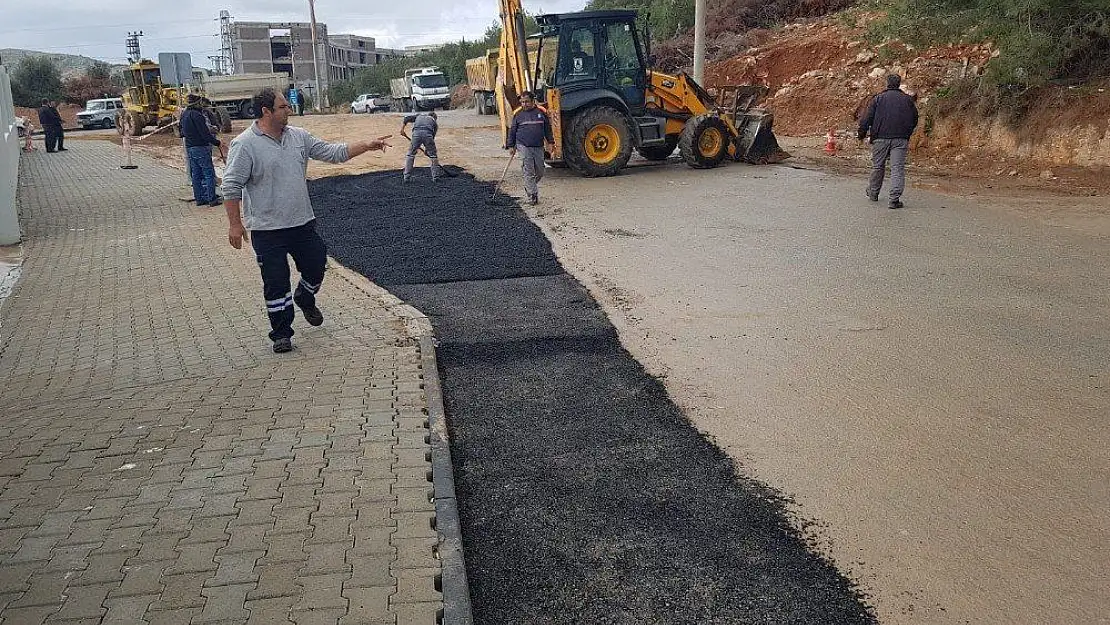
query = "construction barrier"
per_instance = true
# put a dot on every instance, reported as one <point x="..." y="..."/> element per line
<point x="9" y="163"/>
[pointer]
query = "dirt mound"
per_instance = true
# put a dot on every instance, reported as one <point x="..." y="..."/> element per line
<point x="67" y="111"/>
<point x="820" y="74"/>
<point x="462" y="97"/>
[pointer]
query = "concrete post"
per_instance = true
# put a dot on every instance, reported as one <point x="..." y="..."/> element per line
<point x="699" y="42"/>
<point x="9" y="163"/>
<point x="315" y="62"/>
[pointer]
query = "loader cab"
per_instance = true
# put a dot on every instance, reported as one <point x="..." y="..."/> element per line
<point x="144" y="84"/>
<point x="597" y="51"/>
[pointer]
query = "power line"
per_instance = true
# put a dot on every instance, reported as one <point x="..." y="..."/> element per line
<point x="115" y="25"/>
<point x="111" y="43"/>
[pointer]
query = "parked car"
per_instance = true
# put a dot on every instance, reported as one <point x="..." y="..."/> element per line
<point x="382" y="103"/>
<point x="100" y="113"/>
<point x="370" y="103"/>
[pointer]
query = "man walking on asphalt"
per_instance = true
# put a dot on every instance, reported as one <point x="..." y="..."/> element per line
<point x="529" y="134"/>
<point x="265" y="177"/>
<point x="424" y="129"/>
<point x="198" y="146"/>
<point x="890" y="119"/>
<point x="51" y="122"/>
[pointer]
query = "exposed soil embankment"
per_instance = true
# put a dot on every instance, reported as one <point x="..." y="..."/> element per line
<point x="821" y="74"/>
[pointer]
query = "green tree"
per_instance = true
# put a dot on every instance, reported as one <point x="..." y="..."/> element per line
<point x="99" y="70"/>
<point x="38" y="78"/>
<point x="1039" y="41"/>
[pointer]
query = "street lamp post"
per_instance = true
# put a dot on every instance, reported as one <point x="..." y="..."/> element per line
<point x="315" y="60"/>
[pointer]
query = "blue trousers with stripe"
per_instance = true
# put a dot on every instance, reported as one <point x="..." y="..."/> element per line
<point x="273" y="249"/>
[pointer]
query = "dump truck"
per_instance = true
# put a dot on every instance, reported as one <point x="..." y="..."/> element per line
<point x="481" y="75"/>
<point x="604" y="100"/>
<point x="420" y="89"/>
<point x="234" y="93"/>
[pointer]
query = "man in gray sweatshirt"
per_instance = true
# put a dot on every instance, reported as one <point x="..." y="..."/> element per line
<point x="265" y="193"/>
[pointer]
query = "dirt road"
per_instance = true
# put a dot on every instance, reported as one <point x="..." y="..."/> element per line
<point x="931" y="385"/>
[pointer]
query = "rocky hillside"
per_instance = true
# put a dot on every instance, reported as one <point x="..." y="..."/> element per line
<point x="66" y="62"/>
<point x="821" y="73"/>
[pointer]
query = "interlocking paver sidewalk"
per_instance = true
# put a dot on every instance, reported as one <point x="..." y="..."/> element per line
<point x="157" y="463"/>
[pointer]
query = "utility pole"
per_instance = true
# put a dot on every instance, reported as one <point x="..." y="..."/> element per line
<point x="315" y="61"/>
<point x="133" y="53"/>
<point x="699" y="41"/>
<point x="226" y="44"/>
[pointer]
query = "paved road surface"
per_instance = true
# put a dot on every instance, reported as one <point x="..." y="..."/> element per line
<point x="931" y="384"/>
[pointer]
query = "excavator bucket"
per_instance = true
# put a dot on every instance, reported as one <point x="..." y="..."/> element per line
<point x="755" y="142"/>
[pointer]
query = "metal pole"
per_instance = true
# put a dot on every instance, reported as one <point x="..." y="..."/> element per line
<point x="315" y="63"/>
<point x="699" y="41"/>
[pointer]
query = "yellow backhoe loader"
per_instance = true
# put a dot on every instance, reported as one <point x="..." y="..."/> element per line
<point x="591" y="74"/>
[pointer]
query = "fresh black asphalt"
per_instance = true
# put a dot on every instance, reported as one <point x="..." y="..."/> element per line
<point x="586" y="497"/>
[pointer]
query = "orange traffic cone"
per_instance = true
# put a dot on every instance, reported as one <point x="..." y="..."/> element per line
<point x="830" y="143"/>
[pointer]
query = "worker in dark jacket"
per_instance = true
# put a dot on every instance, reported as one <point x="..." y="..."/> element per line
<point x="530" y="134"/>
<point x="51" y="123"/>
<point x="199" y="141"/>
<point x="890" y="120"/>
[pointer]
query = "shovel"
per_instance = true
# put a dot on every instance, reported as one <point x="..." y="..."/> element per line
<point x="497" y="186"/>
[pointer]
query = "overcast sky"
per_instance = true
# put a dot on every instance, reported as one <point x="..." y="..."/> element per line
<point x="98" y="28"/>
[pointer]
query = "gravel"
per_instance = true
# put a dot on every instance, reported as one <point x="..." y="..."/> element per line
<point x="585" y="495"/>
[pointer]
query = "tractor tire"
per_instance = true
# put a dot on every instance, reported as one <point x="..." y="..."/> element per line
<point x="246" y="110"/>
<point x="138" y="123"/>
<point x="224" y="119"/>
<point x="659" y="152"/>
<point x="704" y="141"/>
<point x="598" y="142"/>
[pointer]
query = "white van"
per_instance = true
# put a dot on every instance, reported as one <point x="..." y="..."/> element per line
<point x="100" y="113"/>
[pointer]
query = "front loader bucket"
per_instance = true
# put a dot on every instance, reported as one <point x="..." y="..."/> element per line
<point x="755" y="142"/>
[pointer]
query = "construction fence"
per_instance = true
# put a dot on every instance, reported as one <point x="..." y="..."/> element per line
<point x="9" y="163"/>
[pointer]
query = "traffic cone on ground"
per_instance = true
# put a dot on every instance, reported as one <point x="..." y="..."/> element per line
<point x="830" y="143"/>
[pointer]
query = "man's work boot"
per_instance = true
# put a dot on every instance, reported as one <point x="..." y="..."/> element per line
<point x="895" y="204"/>
<point x="534" y="199"/>
<point x="313" y="316"/>
<point x="283" y="346"/>
<point x="874" y="197"/>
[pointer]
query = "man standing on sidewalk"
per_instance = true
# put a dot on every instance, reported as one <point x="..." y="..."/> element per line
<point x="890" y="119"/>
<point x="530" y="132"/>
<point x="424" y="129"/>
<point x="198" y="145"/>
<point x="265" y="177"/>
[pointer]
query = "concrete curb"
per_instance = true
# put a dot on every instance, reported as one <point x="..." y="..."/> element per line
<point x="416" y="324"/>
<point x="453" y="584"/>
<point x="452" y="581"/>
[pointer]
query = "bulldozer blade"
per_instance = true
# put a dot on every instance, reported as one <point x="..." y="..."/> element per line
<point x="755" y="141"/>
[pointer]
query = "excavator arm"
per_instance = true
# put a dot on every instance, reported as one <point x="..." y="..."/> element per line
<point x="513" y="76"/>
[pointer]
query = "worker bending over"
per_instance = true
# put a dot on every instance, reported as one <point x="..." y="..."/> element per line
<point x="424" y="128"/>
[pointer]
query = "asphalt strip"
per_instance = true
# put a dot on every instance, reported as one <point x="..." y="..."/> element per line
<point x="585" y="496"/>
